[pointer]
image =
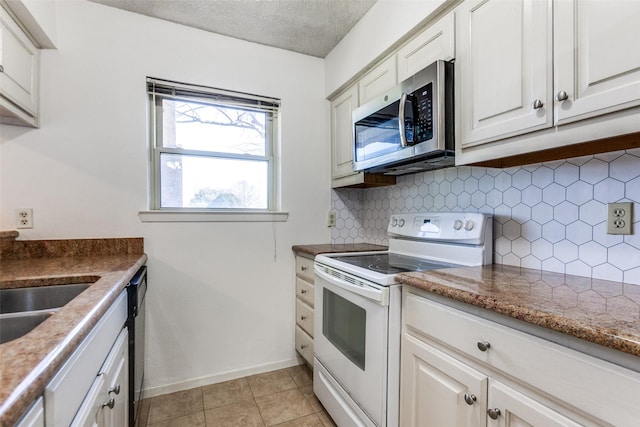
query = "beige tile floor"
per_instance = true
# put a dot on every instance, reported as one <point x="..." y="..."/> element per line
<point x="280" y="398"/>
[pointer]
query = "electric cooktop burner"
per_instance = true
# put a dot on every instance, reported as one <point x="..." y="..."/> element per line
<point x="387" y="263"/>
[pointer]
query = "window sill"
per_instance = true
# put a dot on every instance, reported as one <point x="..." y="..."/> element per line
<point x="217" y="216"/>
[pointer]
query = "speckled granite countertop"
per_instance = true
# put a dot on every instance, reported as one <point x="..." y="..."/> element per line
<point x="314" y="250"/>
<point x="599" y="311"/>
<point x="29" y="362"/>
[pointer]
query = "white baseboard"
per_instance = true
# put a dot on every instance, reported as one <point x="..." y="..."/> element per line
<point x="218" y="378"/>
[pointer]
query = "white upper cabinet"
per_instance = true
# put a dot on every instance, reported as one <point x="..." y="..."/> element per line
<point x="378" y="80"/>
<point x="503" y="69"/>
<point x="536" y="75"/>
<point x="596" y="56"/>
<point x="19" y="59"/>
<point x="341" y="145"/>
<point x="436" y="42"/>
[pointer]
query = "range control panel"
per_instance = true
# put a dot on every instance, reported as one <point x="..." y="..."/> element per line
<point x="460" y="227"/>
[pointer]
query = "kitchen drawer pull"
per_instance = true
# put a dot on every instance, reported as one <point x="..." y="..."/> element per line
<point x="537" y="104"/>
<point x="110" y="404"/>
<point x="303" y="346"/>
<point x="303" y="291"/>
<point x="303" y="317"/>
<point x="562" y="96"/>
<point x="470" y="398"/>
<point x="115" y="389"/>
<point x="483" y="345"/>
<point x="1" y="69"/>
<point x="303" y="268"/>
<point x="494" y="413"/>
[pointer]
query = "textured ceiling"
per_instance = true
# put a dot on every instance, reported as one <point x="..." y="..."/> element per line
<point x="311" y="27"/>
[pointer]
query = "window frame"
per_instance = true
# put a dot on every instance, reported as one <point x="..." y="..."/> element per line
<point x="157" y="91"/>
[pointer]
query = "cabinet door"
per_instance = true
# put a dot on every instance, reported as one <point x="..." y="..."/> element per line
<point x="19" y="59"/>
<point x="503" y="69"/>
<point x="341" y="138"/>
<point x="91" y="412"/>
<point x="509" y="408"/>
<point x="378" y="80"/>
<point x="435" y="388"/>
<point x="597" y="57"/>
<point x="436" y="42"/>
<point x="116" y="372"/>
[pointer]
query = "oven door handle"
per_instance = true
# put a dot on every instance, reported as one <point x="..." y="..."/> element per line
<point x="380" y="296"/>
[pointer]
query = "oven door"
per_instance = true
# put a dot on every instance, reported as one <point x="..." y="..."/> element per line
<point x="351" y="345"/>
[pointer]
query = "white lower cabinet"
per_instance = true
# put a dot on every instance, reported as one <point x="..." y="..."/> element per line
<point x="434" y="387"/>
<point x="106" y="403"/>
<point x="510" y="408"/>
<point x="304" y="308"/>
<point x="458" y="369"/>
<point x="91" y="388"/>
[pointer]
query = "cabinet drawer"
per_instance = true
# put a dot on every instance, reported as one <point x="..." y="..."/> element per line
<point x="304" y="268"/>
<point x="304" y="317"/>
<point x="578" y="379"/>
<point x="304" y="345"/>
<point x="304" y="291"/>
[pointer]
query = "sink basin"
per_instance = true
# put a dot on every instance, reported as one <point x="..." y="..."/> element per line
<point x="40" y="298"/>
<point x="22" y="309"/>
<point x="14" y="326"/>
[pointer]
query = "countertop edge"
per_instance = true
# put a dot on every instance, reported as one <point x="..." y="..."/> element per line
<point x="33" y="384"/>
<point x="317" y="249"/>
<point x="606" y="337"/>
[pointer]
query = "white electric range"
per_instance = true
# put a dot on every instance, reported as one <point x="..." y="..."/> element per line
<point x="358" y="308"/>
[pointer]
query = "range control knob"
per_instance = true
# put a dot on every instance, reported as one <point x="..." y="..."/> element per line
<point x="469" y="225"/>
<point x="401" y="222"/>
<point x="457" y="224"/>
<point x="394" y="221"/>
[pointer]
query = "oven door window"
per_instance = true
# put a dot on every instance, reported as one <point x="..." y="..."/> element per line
<point x="344" y="325"/>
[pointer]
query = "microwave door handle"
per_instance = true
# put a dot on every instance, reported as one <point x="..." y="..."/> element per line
<point x="403" y="135"/>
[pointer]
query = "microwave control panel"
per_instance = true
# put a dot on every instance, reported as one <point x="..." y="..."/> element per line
<point x="423" y="110"/>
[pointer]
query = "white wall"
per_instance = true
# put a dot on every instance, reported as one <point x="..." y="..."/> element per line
<point x="221" y="299"/>
<point x="385" y="23"/>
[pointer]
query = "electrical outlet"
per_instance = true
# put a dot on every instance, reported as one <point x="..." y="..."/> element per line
<point x="331" y="219"/>
<point x="620" y="218"/>
<point x="24" y="218"/>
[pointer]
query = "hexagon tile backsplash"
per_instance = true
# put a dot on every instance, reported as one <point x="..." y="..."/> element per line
<point x="549" y="216"/>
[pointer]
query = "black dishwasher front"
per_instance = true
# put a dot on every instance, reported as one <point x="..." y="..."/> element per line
<point x="136" y="292"/>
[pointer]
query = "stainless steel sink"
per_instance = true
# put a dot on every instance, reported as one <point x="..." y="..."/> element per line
<point x="40" y="298"/>
<point x="22" y="309"/>
<point x="15" y="325"/>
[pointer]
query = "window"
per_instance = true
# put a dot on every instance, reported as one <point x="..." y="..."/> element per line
<point x="212" y="149"/>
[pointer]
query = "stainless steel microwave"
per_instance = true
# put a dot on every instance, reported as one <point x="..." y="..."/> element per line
<point x="410" y="127"/>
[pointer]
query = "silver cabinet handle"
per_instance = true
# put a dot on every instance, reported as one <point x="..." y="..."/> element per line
<point x="537" y="104"/>
<point x="303" y="268"/>
<point x="470" y="398"/>
<point x="110" y="404"/>
<point x="493" y="413"/>
<point x="115" y="389"/>
<point x="303" y="291"/>
<point x="483" y="345"/>
<point x="562" y="96"/>
<point x="303" y="317"/>
<point x="1" y="69"/>
<point x="303" y="346"/>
